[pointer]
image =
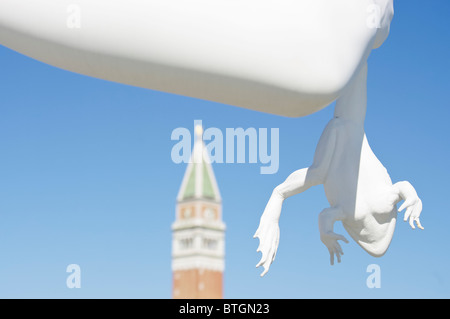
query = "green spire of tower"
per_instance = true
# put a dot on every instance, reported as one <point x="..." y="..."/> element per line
<point x="199" y="180"/>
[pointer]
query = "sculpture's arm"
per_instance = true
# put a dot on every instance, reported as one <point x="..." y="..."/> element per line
<point x="268" y="231"/>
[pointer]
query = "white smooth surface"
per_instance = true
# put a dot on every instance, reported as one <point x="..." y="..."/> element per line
<point x="286" y="57"/>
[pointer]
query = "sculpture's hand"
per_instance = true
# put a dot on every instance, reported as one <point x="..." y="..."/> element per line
<point x="413" y="206"/>
<point x="269" y="236"/>
<point x="330" y="239"/>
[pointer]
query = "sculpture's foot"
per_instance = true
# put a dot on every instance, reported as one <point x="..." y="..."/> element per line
<point x="268" y="231"/>
<point x="329" y="238"/>
<point x="412" y="203"/>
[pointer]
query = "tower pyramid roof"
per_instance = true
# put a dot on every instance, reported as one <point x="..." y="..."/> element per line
<point x="199" y="181"/>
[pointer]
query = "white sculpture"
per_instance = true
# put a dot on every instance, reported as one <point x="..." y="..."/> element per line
<point x="357" y="186"/>
<point x="285" y="57"/>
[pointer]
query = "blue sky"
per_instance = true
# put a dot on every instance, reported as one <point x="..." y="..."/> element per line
<point x="86" y="177"/>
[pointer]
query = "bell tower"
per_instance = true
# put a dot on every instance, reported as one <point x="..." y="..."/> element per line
<point x="198" y="246"/>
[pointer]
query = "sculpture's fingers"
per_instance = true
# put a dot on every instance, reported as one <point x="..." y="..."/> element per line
<point x="338" y="255"/>
<point x="260" y="244"/>
<point x="262" y="260"/>
<point x="417" y="209"/>
<point x="419" y="206"/>
<point x="418" y="224"/>
<point x="266" y="252"/>
<point x="261" y="238"/>
<point x="258" y="232"/>
<point x="339" y="248"/>
<point x="340" y="237"/>
<point x="269" y="239"/>
<point x="263" y="255"/>
<point x="331" y="256"/>
<point x="266" y="269"/>
<point x="403" y="206"/>
<point x="275" y="247"/>
<point x="408" y="213"/>
<point x="260" y="263"/>
<point x="266" y="264"/>
<point x="411" y="223"/>
<point x="338" y="251"/>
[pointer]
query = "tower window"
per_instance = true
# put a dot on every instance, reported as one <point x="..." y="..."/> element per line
<point x="209" y="243"/>
<point x="186" y="243"/>
<point x="188" y="213"/>
<point x="209" y="213"/>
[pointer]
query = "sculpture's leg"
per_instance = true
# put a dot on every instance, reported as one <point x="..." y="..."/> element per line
<point x="405" y="191"/>
<point x="327" y="218"/>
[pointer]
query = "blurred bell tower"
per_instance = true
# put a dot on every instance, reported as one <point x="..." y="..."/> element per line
<point x="198" y="245"/>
